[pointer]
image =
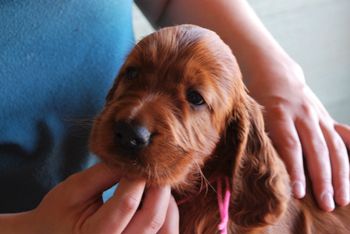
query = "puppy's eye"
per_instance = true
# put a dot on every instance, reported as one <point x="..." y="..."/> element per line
<point x="131" y="73"/>
<point x="195" y="98"/>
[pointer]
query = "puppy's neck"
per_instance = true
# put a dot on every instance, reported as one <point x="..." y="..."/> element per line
<point x="203" y="180"/>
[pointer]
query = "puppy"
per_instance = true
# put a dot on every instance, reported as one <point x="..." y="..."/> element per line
<point x="179" y="114"/>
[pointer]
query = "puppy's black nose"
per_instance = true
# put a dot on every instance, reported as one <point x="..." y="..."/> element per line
<point x="131" y="137"/>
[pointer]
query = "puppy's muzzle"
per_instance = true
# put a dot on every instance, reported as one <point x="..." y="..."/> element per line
<point x="130" y="137"/>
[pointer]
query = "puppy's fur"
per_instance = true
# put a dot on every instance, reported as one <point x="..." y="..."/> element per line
<point x="193" y="145"/>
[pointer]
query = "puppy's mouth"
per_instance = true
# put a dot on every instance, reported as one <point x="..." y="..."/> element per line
<point x="139" y="167"/>
<point x="157" y="164"/>
<point x="134" y="151"/>
<point x="149" y="151"/>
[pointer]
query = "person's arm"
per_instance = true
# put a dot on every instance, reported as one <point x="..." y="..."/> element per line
<point x="297" y="122"/>
<point x="15" y="223"/>
<point x="76" y="206"/>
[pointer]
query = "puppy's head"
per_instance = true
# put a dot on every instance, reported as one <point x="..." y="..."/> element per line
<point x="169" y="105"/>
<point x="179" y="106"/>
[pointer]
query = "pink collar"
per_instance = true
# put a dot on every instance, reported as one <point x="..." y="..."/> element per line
<point x="223" y="203"/>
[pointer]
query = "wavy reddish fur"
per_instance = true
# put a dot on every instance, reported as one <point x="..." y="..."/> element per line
<point x="193" y="146"/>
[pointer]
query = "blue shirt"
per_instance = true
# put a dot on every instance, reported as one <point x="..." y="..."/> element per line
<point x="58" y="59"/>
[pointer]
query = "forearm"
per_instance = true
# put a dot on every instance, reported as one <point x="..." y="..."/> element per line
<point x="236" y="23"/>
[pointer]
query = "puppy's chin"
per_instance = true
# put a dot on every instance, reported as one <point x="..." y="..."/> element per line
<point x="154" y="176"/>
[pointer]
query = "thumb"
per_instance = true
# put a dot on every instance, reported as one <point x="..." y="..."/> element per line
<point x="92" y="181"/>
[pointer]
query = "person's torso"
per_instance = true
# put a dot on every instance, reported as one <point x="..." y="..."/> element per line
<point x="58" y="59"/>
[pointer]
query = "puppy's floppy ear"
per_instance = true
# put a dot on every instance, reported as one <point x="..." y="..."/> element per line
<point x="260" y="181"/>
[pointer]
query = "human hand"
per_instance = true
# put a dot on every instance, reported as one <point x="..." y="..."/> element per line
<point x="75" y="206"/>
<point x="299" y="125"/>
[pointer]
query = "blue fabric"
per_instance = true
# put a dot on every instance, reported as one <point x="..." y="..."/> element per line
<point x="58" y="59"/>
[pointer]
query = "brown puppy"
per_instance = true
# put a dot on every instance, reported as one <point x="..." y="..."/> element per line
<point x="179" y="114"/>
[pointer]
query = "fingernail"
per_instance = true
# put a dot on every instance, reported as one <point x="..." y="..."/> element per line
<point x="342" y="198"/>
<point x="327" y="199"/>
<point x="298" y="189"/>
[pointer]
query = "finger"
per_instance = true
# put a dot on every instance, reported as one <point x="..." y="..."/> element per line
<point x="90" y="182"/>
<point x="317" y="159"/>
<point x="344" y="131"/>
<point x="153" y="212"/>
<point x="116" y="213"/>
<point x="287" y="144"/>
<point x="339" y="163"/>
<point x="171" y="223"/>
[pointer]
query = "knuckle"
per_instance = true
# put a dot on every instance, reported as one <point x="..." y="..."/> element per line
<point x="278" y="111"/>
<point x="129" y="204"/>
<point x="319" y="146"/>
<point x="298" y="70"/>
<point x="155" y="223"/>
<point x="339" y="147"/>
<point x="296" y="173"/>
<point x="291" y="142"/>
<point x="307" y="110"/>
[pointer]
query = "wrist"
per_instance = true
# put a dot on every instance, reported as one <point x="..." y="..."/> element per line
<point x="261" y="65"/>
<point x="17" y="223"/>
<point x="275" y="74"/>
<point x="268" y="71"/>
